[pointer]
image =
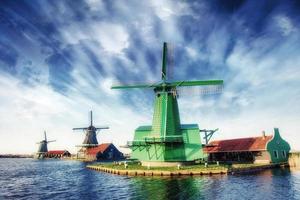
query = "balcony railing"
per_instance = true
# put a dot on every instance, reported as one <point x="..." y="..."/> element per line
<point x="156" y="140"/>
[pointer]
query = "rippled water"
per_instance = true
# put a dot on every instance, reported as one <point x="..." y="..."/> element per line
<point x="56" y="179"/>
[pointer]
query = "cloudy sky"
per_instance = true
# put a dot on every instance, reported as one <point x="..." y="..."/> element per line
<point x="58" y="60"/>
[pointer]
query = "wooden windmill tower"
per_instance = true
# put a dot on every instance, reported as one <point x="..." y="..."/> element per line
<point x="167" y="141"/>
<point x="43" y="147"/>
<point x="90" y="139"/>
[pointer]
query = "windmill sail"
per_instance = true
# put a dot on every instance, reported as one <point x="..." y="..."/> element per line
<point x="91" y="118"/>
<point x="166" y="128"/>
<point x="166" y="118"/>
<point x="90" y="139"/>
<point x="45" y="135"/>
<point x="164" y="62"/>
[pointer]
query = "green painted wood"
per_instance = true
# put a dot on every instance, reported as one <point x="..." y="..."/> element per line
<point x="190" y="149"/>
<point x="166" y="139"/>
<point x="166" y="120"/>
<point x="196" y="83"/>
<point x="278" y="148"/>
<point x="170" y="85"/>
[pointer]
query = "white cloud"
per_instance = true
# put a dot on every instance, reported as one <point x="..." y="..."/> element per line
<point x="113" y="38"/>
<point x="30" y="110"/>
<point x="192" y="52"/>
<point x="168" y="9"/>
<point x="106" y="84"/>
<point x="285" y="24"/>
<point x="261" y="92"/>
<point x="95" y="5"/>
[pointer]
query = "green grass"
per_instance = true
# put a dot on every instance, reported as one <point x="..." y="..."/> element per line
<point x="196" y="167"/>
<point x="136" y="166"/>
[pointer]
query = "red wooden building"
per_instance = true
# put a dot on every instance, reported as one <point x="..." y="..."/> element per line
<point x="105" y="151"/>
<point x="264" y="149"/>
<point x="57" y="154"/>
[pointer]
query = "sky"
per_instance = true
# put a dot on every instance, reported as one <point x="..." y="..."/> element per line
<point x="58" y="60"/>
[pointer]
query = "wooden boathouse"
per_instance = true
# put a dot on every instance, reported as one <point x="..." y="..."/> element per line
<point x="263" y="149"/>
<point x="105" y="151"/>
<point x="58" y="154"/>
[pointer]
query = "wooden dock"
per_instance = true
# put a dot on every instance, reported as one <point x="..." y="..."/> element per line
<point x="183" y="172"/>
<point x="156" y="172"/>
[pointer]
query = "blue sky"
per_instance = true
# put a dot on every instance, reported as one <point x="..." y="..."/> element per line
<point x="58" y="60"/>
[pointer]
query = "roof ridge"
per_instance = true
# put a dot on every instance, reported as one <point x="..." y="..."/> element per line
<point x="243" y="138"/>
<point x="239" y="144"/>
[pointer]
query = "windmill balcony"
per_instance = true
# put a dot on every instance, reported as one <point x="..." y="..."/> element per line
<point x="87" y="145"/>
<point x="155" y="140"/>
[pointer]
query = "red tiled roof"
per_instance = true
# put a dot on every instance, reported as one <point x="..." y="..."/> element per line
<point x="240" y="144"/>
<point x="101" y="148"/>
<point x="56" y="152"/>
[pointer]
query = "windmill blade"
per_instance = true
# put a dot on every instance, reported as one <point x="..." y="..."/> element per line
<point x="198" y="91"/>
<point x="164" y="62"/>
<point x="91" y="118"/>
<point x="51" y="141"/>
<point x="196" y="83"/>
<point x="134" y="86"/>
<point x="39" y="143"/>
<point x="170" y="60"/>
<point x="74" y="129"/>
<point x="102" y="127"/>
<point x="45" y="135"/>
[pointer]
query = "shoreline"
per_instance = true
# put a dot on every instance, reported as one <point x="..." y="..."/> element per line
<point x="186" y="172"/>
<point x="16" y="156"/>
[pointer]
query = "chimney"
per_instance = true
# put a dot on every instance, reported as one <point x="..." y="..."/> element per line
<point x="263" y="134"/>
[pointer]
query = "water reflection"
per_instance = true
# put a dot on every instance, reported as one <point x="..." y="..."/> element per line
<point x="31" y="179"/>
<point x="86" y="183"/>
<point x="279" y="185"/>
<point x="166" y="188"/>
<point x="269" y="184"/>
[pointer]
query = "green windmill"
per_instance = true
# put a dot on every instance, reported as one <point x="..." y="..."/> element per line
<point x="167" y="141"/>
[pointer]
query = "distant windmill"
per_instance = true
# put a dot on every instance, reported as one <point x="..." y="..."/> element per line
<point x="43" y="147"/>
<point x="90" y="139"/>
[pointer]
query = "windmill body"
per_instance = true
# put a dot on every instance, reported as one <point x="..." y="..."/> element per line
<point x="167" y="141"/>
<point x="90" y="139"/>
<point x="43" y="147"/>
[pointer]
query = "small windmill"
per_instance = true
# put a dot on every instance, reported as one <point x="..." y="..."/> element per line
<point x="167" y="140"/>
<point x="43" y="147"/>
<point x="90" y="139"/>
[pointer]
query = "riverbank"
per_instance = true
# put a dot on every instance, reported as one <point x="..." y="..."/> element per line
<point x="16" y="156"/>
<point x="199" y="169"/>
<point x="294" y="160"/>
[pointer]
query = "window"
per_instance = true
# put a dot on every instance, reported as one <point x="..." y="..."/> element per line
<point x="276" y="154"/>
<point x="284" y="154"/>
